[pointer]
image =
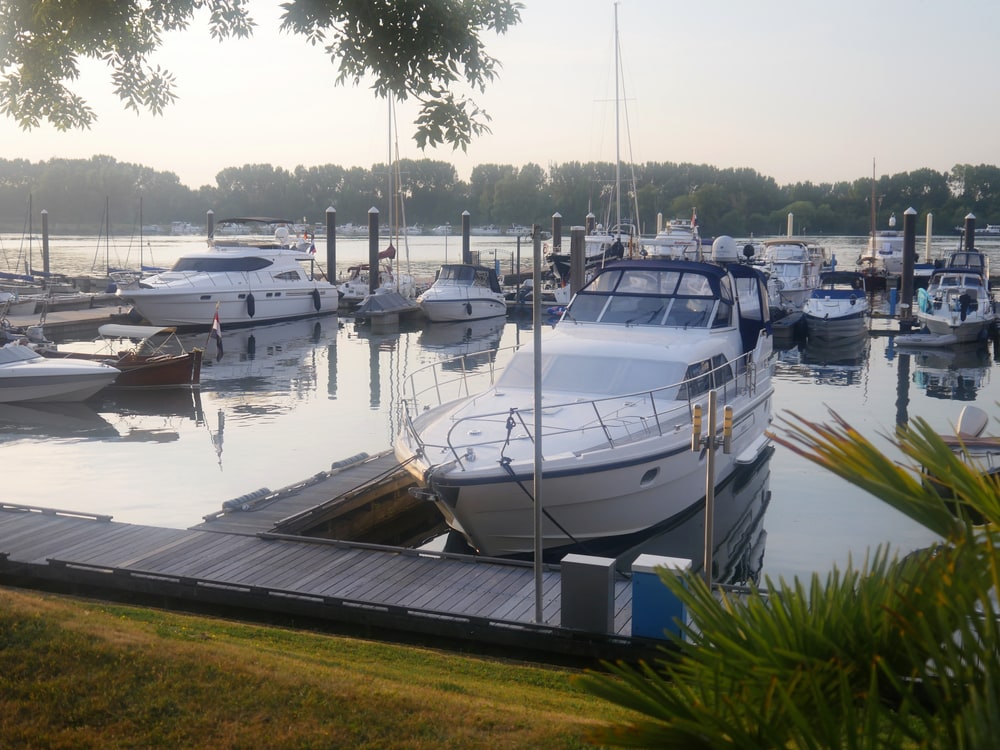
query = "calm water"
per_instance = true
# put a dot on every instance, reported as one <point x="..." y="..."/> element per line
<point x="287" y="400"/>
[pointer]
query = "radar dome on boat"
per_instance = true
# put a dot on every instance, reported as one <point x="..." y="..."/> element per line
<point x="724" y="250"/>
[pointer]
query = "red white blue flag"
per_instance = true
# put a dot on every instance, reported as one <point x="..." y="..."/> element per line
<point x="217" y="335"/>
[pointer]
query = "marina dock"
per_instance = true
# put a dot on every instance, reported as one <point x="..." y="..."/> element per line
<point x="252" y="557"/>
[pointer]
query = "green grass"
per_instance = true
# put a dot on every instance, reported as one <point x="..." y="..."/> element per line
<point x="77" y="673"/>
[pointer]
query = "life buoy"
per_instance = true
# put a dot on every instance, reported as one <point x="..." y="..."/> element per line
<point x="251" y="305"/>
<point x="315" y="296"/>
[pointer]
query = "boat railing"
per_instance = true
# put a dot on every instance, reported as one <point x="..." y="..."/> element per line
<point x="614" y="421"/>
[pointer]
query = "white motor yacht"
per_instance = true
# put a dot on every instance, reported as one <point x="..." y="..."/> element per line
<point x="638" y="348"/>
<point x="463" y="291"/>
<point x="958" y="301"/>
<point x="264" y="274"/>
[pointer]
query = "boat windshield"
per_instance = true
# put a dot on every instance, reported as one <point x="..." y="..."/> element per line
<point x="220" y="265"/>
<point x="580" y="373"/>
<point x="676" y="298"/>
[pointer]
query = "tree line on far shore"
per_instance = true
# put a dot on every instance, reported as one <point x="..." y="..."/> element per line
<point x="79" y="193"/>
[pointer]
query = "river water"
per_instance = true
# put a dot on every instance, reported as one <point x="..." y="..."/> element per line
<point x="287" y="400"/>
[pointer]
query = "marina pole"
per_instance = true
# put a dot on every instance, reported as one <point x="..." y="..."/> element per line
<point x="710" y="489"/>
<point x="45" y="243"/>
<point x="372" y="250"/>
<point x="536" y="329"/>
<point x="591" y="222"/>
<point x="209" y="223"/>
<point x="557" y="232"/>
<point x="331" y="245"/>
<point x="466" y="231"/>
<point x="906" y="320"/>
<point x="577" y="261"/>
<point x="930" y="236"/>
<point x="970" y="231"/>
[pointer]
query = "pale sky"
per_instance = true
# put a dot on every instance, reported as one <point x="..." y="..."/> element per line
<point x="795" y="89"/>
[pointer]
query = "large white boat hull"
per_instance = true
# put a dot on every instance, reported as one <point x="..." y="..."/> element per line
<point x="447" y="311"/>
<point x="588" y="497"/>
<point x="236" y="306"/>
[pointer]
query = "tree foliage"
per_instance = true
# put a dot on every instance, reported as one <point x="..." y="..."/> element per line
<point x="409" y="48"/>
<point x="896" y="653"/>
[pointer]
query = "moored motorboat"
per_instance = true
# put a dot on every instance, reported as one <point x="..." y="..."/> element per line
<point x="463" y="291"/>
<point x="639" y="346"/>
<point x="958" y="301"/>
<point x="25" y="375"/>
<point x="793" y="266"/>
<point x="248" y="279"/>
<point x="838" y="307"/>
<point x="156" y="359"/>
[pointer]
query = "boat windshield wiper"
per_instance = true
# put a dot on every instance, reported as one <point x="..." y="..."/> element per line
<point x="643" y="318"/>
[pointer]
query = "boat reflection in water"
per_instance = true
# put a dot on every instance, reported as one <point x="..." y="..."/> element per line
<point x="476" y="340"/>
<point x="74" y="420"/>
<point x="737" y="525"/>
<point x="272" y="357"/>
<point x="955" y="373"/>
<point x="825" y="362"/>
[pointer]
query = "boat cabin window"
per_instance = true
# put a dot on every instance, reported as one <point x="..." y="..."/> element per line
<point x="288" y="276"/>
<point x="701" y="377"/>
<point x="221" y="265"/>
<point x="573" y="373"/>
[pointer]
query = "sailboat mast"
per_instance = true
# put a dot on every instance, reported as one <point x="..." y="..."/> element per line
<point x="618" y="157"/>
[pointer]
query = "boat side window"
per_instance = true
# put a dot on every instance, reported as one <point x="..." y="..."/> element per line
<point x="222" y="265"/>
<point x="722" y="371"/>
<point x="697" y="380"/>
<point x="288" y="276"/>
<point x="481" y="279"/>
<point x="606" y="282"/>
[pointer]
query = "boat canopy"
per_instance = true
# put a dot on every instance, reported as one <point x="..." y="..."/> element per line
<point x="469" y="275"/>
<point x="119" y="331"/>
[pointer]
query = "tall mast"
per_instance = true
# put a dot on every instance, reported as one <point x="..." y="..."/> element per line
<point x="618" y="158"/>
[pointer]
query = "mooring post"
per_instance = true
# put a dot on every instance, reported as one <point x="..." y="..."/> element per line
<point x="466" y="232"/>
<point x="331" y="245"/>
<point x="45" y="243"/>
<point x="210" y="224"/>
<point x="930" y="236"/>
<point x="970" y="231"/>
<point x="577" y="260"/>
<point x="557" y="232"/>
<point x="591" y="223"/>
<point x="372" y="250"/>
<point x="906" y="320"/>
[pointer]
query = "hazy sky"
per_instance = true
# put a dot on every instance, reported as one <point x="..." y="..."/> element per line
<point x="795" y="89"/>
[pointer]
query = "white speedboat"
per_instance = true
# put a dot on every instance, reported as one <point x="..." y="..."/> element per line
<point x="794" y="266"/>
<point x="958" y="301"/>
<point x="356" y="287"/>
<point x="838" y="307"/>
<point x="637" y="349"/>
<point x="678" y="239"/>
<point x="25" y="375"/>
<point x="263" y="277"/>
<point x="463" y="291"/>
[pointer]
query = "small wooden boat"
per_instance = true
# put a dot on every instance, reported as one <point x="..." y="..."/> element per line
<point x="155" y="358"/>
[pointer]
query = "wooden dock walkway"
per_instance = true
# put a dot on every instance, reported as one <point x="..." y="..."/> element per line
<point x="465" y="600"/>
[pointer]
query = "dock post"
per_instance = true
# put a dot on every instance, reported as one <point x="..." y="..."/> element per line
<point x="930" y="236"/>
<point x="466" y="231"/>
<point x="906" y="320"/>
<point x="331" y="245"/>
<point x="372" y="250"/>
<point x="655" y="609"/>
<point x="587" y="593"/>
<point x="557" y="232"/>
<point x="576" y="259"/>
<point x="45" y="242"/>
<point x="970" y="231"/>
<point x="591" y="223"/>
<point x="210" y="224"/>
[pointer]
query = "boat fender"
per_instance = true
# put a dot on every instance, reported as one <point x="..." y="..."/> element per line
<point x="251" y="305"/>
<point x="468" y="308"/>
<point x="315" y="296"/>
<point x="853" y="299"/>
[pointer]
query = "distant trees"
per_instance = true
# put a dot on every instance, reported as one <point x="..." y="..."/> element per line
<point x="738" y="202"/>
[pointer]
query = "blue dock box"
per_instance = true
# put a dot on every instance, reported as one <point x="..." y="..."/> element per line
<point x="654" y="606"/>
